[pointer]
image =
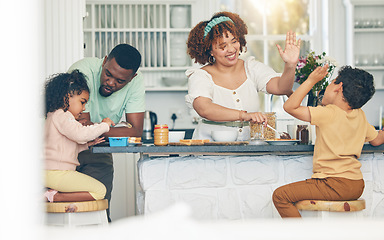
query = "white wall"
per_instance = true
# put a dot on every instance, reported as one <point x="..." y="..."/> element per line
<point x="63" y="31"/>
<point x="165" y="103"/>
<point x="337" y="49"/>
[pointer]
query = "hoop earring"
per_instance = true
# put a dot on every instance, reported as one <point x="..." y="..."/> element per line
<point x="245" y="49"/>
<point x="211" y="59"/>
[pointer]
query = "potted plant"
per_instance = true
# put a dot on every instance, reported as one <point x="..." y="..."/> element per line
<point x="306" y="66"/>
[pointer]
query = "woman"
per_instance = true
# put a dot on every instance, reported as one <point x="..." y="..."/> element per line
<point x="224" y="92"/>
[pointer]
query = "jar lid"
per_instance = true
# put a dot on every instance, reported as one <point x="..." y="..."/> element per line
<point x="161" y="126"/>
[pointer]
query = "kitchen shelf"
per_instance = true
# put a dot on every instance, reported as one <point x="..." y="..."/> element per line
<point x="137" y="30"/>
<point x="158" y="29"/>
<point x="165" y="68"/>
<point x="368" y="30"/>
<point x="378" y="68"/>
<point x="167" y="89"/>
<point x="365" y="32"/>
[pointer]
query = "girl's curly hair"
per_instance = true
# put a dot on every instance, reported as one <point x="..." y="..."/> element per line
<point x="199" y="48"/>
<point x="60" y="87"/>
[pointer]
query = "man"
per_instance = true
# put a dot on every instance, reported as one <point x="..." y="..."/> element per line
<point x="115" y="88"/>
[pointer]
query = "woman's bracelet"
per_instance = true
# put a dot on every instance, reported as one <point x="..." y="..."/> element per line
<point x="241" y="113"/>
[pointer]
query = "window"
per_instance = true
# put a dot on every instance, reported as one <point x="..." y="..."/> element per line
<point x="268" y="22"/>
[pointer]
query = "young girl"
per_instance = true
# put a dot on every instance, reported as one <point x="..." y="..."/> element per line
<point x="65" y="97"/>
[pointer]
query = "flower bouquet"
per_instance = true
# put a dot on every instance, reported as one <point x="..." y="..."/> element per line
<point x="307" y="65"/>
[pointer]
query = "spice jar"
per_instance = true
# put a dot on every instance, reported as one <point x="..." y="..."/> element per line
<point x="161" y="133"/>
<point x="302" y="134"/>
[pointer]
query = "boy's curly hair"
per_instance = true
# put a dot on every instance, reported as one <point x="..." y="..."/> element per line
<point x="199" y="48"/>
<point x="60" y="87"/>
<point x="358" y="86"/>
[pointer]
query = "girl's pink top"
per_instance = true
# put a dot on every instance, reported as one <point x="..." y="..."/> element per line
<point x="65" y="137"/>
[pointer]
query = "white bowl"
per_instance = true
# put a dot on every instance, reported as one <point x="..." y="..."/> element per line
<point x="224" y="136"/>
<point x="176" y="136"/>
<point x="174" y="82"/>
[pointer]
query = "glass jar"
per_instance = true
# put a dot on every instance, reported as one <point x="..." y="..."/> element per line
<point x="258" y="130"/>
<point x="302" y="134"/>
<point x="161" y="135"/>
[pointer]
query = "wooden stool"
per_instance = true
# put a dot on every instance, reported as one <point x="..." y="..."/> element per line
<point x="73" y="214"/>
<point x="324" y="209"/>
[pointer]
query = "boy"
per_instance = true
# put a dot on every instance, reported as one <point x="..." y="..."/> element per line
<point x="341" y="131"/>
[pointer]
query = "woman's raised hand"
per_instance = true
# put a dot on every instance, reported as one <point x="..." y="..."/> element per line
<point x="291" y="52"/>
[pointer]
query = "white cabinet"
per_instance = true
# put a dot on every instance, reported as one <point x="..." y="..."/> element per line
<point x="365" y="37"/>
<point x="63" y="28"/>
<point x="158" y="29"/>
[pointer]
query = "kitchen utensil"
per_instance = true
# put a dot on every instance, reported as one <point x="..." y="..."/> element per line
<point x="153" y="55"/>
<point x="179" y="16"/>
<point x="176" y="136"/>
<point x="179" y="55"/>
<point x="282" y="142"/>
<point x="174" y="81"/>
<point x="118" y="141"/>
<point x="302" y="134"/>
<point x="224" y="136"/>
<point x="226" y="143"/>
<point x="165" y="51"/>
<point x="123" y="124"/>
<point x="283" y="135"/>
<point x="258" y="131"/>
<point x="150" y="120"/>
<point x="291" y="129"/>
<point x="161" y="135"/>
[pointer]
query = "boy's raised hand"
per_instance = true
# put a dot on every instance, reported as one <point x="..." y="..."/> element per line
<point x="318" y="74"/>
<point x="292" y="105"/>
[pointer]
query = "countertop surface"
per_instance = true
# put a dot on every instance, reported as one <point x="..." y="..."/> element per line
<point x="150" y="148"/>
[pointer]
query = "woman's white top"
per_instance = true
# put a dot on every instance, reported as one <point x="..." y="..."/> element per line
<point x="245" y="97"/>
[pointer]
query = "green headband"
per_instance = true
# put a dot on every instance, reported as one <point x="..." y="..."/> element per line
<point x="214" y="22"/>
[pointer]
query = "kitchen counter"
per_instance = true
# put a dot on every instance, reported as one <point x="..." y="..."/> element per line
<point x="234" y="182"/>
<point x="214" y="150"/>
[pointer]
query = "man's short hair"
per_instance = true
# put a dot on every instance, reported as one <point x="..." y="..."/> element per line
<point x="126" y="56"/>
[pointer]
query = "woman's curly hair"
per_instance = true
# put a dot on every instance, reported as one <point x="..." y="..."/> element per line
<point x="199" y="48"/>
<point x="60" y="87"/>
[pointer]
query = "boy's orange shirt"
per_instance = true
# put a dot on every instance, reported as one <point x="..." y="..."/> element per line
<point x="340" y="137"/>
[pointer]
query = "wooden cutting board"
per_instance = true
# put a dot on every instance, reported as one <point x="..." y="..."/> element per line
<point x="226" y="143"/>
<point x="185" y="144"/>
<point x="209" y="143"/>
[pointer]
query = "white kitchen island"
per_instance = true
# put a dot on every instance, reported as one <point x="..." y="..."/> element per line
<point x="235" y="182"/>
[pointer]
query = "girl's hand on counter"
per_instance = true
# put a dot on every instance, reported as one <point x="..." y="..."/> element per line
<point x="253" y="117"/>
<point x="96" y="141"/>
<point x="108" y="121"/>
